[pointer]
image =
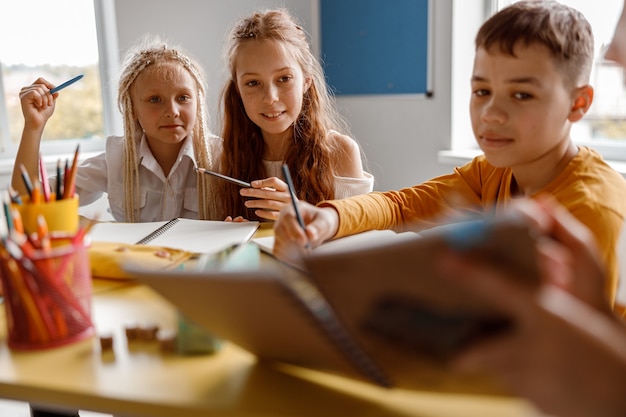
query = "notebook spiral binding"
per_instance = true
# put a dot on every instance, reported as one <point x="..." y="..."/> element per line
<point x="158" y="232"/>
<point x="324" y="315"/>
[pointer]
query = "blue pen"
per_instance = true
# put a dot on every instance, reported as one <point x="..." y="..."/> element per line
<point x="65" y="84"/>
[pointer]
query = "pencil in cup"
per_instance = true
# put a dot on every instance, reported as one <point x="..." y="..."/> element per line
<point x="60" y="215"/>
<point x="70" y="177"/>
<point x="48" y="295"/>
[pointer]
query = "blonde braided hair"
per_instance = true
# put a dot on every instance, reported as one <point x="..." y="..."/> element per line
<point x="149" y="52"/>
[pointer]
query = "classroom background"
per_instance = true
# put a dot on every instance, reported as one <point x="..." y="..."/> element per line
<point x="400" y="134"/>
<point x="407" y="138"/>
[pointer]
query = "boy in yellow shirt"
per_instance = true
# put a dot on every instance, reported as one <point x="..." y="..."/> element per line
<point x="530" y="82"/>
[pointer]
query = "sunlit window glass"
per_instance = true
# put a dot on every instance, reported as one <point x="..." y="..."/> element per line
<point x="55" y="40"/>
<point x="605" y="123"/>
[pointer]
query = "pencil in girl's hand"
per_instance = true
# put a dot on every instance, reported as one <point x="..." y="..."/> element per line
<point x="26" y="179"/>
<point x="224" y="177"/>
<point x="65" y="84"/>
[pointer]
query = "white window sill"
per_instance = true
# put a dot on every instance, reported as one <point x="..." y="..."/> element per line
<point x="457" y="157"/>
<point x="6" y="165"/>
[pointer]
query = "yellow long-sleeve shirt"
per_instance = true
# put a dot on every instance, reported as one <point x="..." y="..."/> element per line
<point x="591" y="190"/>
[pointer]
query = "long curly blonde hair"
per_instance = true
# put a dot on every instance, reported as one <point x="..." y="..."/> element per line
<point x="150" y="52"/>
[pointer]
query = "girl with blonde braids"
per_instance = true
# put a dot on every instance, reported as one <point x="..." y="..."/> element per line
<point x="149" y="173"/>
<point x="276" y="110"/>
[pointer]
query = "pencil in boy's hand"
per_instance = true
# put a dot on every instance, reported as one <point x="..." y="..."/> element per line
<point x="294" y="199"/>
<point x="65" y="84"/>
<point x="224" y="177"/>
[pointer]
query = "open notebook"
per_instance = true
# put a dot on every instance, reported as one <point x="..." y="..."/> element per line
<point x="195" y="236"/>
<point x="380" y="314"/>
<point x="354" y="242"/>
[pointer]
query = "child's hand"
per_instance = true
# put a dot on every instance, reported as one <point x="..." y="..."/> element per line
<point x="238" y="219"/>
<point x="291" y="241"/>
<point x="37" y="103"/>
<point x="553" y="334"/>
<point x="269" y="196"/>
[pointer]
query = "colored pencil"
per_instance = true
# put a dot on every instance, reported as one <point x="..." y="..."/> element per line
<point x="71" y="181"/>
<point x="26" y="178"/>
<point x="66" y="84"/>
<point x="43" y="176"/>
<point x="224" y="177"/>
<point x="59" y="186"/>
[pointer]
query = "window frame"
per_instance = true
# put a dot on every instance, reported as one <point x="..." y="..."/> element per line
<point x="468" y="15"/>
<point x="108" y="63"/>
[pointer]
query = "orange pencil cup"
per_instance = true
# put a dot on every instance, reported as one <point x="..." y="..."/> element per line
<point x="47" y="294"/>
<point x="61" y="215"/>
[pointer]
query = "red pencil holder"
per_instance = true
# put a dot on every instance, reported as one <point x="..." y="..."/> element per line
<point x="47" y="295"/>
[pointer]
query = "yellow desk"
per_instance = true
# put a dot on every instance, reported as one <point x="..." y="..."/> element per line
<point x="138" y="380"/>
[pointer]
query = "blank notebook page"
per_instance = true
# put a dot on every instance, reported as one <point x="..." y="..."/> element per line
<point x="197" y="236"/>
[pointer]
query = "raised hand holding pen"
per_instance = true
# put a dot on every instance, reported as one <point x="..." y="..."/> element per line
<point x="37" y="107"/>
<point x="65" y="84"/>
<point x="290" y="239"/>
<point x="37" y="102"/>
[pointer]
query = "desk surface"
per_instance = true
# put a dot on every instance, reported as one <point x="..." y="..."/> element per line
<point x="136" y="379"/>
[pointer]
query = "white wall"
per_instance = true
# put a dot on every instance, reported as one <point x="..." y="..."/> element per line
<point x="400" y="135"/>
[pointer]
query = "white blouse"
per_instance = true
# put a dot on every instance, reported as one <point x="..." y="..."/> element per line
<point x="344" y="186"/>
<point x="160" y="197"/>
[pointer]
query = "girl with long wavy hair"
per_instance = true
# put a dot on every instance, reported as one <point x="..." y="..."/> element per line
<point x="277" y="110"/>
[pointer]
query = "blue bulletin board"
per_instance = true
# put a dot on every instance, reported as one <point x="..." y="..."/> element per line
<point x="376" y="46"/>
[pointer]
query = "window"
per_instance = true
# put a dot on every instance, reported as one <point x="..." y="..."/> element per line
<point x="603" y="127"/>
<point x="44" y="39"/>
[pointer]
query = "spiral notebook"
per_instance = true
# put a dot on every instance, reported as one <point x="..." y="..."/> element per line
<point x="381" y="314"/>
<point x="196" y="236"/>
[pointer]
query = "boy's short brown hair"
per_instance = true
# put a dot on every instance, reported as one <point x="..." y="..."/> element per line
<point x="564" y="31"/>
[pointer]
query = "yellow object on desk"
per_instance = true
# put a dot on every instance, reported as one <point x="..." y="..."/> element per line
<point x="60" y="215"/>
<point x="107" y="259"/>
